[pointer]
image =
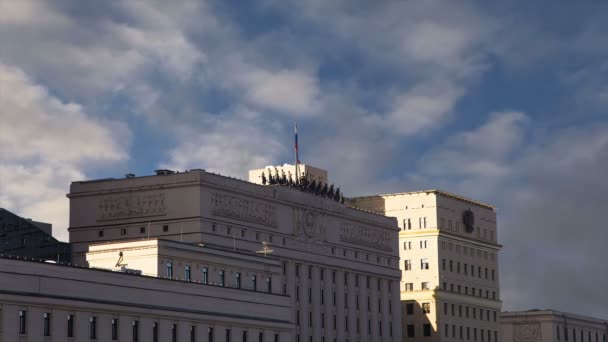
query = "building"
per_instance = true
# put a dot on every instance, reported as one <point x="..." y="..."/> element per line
<point x="551" y="326"/>
<point x="449" y="261"/>
<point x="338" y="266"/>
<point x="49" y="302"/>
<point x="31" y="239"/>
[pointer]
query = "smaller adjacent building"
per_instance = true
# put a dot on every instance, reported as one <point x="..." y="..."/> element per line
<point x="31" y="239"/>
<point x="551" y="326"/>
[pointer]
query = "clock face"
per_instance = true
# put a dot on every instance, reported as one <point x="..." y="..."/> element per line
<point x="468" y="218"/>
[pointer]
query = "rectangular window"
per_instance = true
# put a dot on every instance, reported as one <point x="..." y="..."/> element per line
<point x="205" y="277"/>
<point x="154" y="332"/>
<point x="409" y="286"/>
<point x="142" y="230"/>
<point x="187" y="273"/>
<point x="169" y="270"/>
<point x="227" y="335"/>
<point x="22" y="322"/>
<point x="193" y="333"/>
<point x="100" y="233"/>
<point x="447" y="330"/>
<point x="410" y="330"/>
<point x="426" y="308"/>
<point x="254" y="286"/>
<point x="123" y="231"/>
<point x="237" y="280"/>
<point x="424" y="264"/>
<point x="451" y="266"/>
<point x="222" y="277"/>
<point x="465" y="267"/>
<point x="114" y="331"/>
<point x="445" y="308"/>
<point x="46" y="326"/>
<point x="493" y="274"/>
<point x="135" y="331"/>
<point x="166" y="228"/>
<point x="210" y="334"/>
<point x="424" y="222"/>
<point x="269" y="285"/>
<point x="174" y="332"/>
<point x="70" y="319"/>
<point x="409" y="308"/>
<point x="407" y="264"/>
<point x="92" y="328"/>
<point x="424" y="285"/>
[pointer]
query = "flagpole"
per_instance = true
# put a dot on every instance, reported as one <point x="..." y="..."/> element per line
<point x="296" y="152"/>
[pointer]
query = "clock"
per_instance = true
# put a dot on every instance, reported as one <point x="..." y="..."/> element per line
<point x="468" y="218"/>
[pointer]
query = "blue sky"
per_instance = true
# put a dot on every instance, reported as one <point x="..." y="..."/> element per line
<point x="504" y="102"/>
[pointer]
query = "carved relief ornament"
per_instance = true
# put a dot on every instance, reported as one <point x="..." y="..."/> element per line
<point x="527" y="332"/>
<point x="365" y="236"/>
<point x="131" y="205"/>
<point x="243" y="209"/>
<point x="309" y="224"/>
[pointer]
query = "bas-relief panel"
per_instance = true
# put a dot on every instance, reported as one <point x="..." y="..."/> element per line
<point x="243" y="209"/>
<point x="526" y="332"/>
<point x="365" y="236"/>
<point x="309" y="230"/>
<point x="131" y="205"/>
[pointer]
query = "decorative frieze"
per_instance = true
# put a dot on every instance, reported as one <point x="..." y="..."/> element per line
<point x="244" y="209"/>
<point x="365" y="236"/>
<point x="131" y="205"/>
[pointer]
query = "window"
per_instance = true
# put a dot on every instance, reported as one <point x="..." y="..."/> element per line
<point x="409" y="286"/>
<point x="100" y="233"/>
<point x="443" y="264"/>
<point x="493" y="274"/>
<point x="187" y="273"/>
<point x="123" y="231"/>
<point x="166" y="227"/>
<point x="237" y="280"/>
<point x="92" y="328"/>
<point x="155" y="332"/>
<point x="407" y="224"/>
<point x="261" y="337"/>
<point x="423" y="244"/>
<point x="424" y="264"/>
<point x="447" y="330"/>
<point x="70" y="319"/>
<point x="410" y="330"/>
<point x="221" y="273"/>
<point x="269" y="284"/>
<point x="451" y="266"/>
<point x="426" y="329"/>
<point x="426" y="308"/>
<point x="173" y="332"/>
<point x="142" y="230"/>
<point x="424" y="222"/>
<point x="210" y="334"/>
<point x="407" y="245"/>
<point x="205" y="278"/>
<point x="169" y="270"/>
<point x="309" y="272"/>
<point x="227" y="335"/>
<point x="22" y="322"/>
<point x="135" y="331"/>
<point x="192" y="333"/>
<point x="114" y="331"/>
<point x="465" y="267"/>
<point x="424" y="285"/>
<point x="46" y="326"/>
<point x="458" y="267"/>
<point x="257" y="235"/>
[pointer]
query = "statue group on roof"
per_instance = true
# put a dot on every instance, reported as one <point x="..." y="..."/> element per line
<point x="303" y="184"/>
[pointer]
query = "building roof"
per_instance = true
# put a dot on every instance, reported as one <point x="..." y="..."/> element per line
<point x="435" y="191"/>
<point x="538" y="312"/>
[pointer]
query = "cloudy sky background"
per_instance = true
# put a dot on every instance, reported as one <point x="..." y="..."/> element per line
<point x="504" y="103"/>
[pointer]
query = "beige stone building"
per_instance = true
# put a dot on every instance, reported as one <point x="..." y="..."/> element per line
<point x="551" y="326"/>
<point x="338" y="266"/>
<point x="449" y="261"/>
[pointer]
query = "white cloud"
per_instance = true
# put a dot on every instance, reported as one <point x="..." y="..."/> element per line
<point x="287" y="91"/>
<point x="45" y="144"/>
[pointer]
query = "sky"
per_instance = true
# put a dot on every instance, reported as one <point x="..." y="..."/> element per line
<point x="504" y="102"/>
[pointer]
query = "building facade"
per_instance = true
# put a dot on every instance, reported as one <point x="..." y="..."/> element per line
<point x="338" y="266"/>
<point x="449" y="261"/>
<point x="551" y="326"/>
<point x="54" y="302"/>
